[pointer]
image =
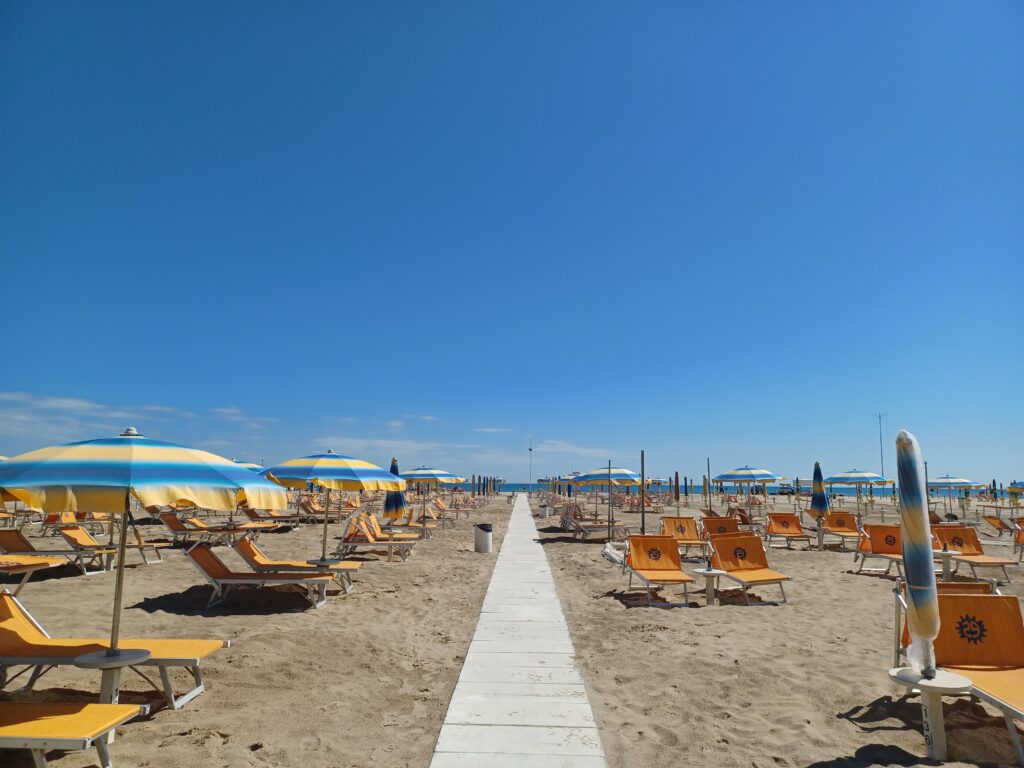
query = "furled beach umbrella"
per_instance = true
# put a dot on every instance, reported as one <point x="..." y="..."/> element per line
<point x="819" y="500"/>
<point x="918" y="560"/>
<point x="394" y="502"/>
<point x="334" y="472"/>
<point x="103" y="476"/>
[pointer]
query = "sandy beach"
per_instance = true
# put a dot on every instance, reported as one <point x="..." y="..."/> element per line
<point x="791" y="685"/>
<point x="365" y="680"/>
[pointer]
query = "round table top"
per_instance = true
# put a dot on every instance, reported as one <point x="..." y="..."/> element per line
<point x="124" y="657"/>
<point x="708" y="572"/>
<point x="943" y="682"/>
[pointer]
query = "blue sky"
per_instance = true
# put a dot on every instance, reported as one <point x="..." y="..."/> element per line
<point x="436" y="230"/>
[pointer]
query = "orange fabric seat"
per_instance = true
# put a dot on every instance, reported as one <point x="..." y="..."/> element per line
<point x="964" y="538"/>
<point x="655" y="561"/>
<point x="744" y="561"/>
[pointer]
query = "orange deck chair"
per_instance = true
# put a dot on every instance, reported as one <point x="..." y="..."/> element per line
<point x="842" y="525"/>
<point x="901" y="631"/>
<point x="965" y="539"/>
<point x="257" y="560"/>
<point x="786" y="526"/>
<point x="982" y="638"/>
<point x="715" y="526"/>
<point x="684" y="530"/>
<point x="654" y="561"/>
<point x="1000" y="525"/>
<point x="882" y="541"/>
<point x="744" y="561"/>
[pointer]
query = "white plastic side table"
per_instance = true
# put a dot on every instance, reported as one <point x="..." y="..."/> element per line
<point x="710" y="582"/>
<point x="932" y="690"/>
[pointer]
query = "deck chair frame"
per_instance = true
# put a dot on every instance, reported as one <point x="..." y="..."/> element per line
<point x="314" y="590"/>
<point x="39" y="746"/>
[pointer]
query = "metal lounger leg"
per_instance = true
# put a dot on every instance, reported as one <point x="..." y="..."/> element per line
<point x="39" y="758"/>
<point x="1011" y="726"/>
<point x="177" y="702"/>
<point x="103" y="751"/>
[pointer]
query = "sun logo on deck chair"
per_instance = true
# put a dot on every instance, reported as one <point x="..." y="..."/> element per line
<point x="720" y="529"/>
<point x="680" y="528"/>
<point x="739" y="553"/>
<point x="971" y="629"/>
<point x="840" y="521"/>
<point x="785" y="523"/>
<point x="957" y="541"/>
<point x="654" y="554"/>
<point x="890" y="540"/>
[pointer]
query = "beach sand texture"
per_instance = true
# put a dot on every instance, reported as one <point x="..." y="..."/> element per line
<point x="367" y="679"/>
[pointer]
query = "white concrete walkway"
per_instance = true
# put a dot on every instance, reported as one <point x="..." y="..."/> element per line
<point x="520" y="702"/>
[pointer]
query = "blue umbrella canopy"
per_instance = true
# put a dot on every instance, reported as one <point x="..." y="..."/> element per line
<point x="856" y="477"/>
<point x="431" y="476"/>
<point x="394" y="503"/>
<point x="819" y="500"/>
<point x="918" y="562"/>
<point x="747" y="475"/>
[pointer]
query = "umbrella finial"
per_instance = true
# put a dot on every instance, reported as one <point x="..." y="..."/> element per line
<point x="330" y="450"/>
<point x="130" y="432"/>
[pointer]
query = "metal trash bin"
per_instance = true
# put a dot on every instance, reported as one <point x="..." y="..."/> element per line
<point x="508" y="499"/>
<point x="542" y="512"/>
<point x="484" y="533"/>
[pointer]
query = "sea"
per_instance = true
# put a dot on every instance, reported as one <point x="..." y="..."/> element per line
<point x="879" y="492"/>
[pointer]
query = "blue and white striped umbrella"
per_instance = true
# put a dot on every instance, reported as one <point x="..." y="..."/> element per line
<point x="918" y="561"/>
<point x="747" y="475"/>
<point x="856" y="477"/>
<point x="431" y="476"/>
<point x="616" y="476"/>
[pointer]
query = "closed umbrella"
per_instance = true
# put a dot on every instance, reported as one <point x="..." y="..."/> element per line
<point x="819" y="503"/>
<point x="395" y="506"/>
<point x="918" y="561"/>
<point x="104" y="475"/>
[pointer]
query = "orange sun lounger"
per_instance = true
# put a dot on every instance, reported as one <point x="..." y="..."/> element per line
<point x="964" y="539"/>
<point x="843" y="526"/>
<point x="654" y="561"/>
<point x="881" y="541"/>
<point x="716" y="526"/>
<point x="785" y="526"/>
<point x="982" y="638"/>
<point x="40" y="728"/>
<point x="744" y="561"/>
<point x="684" y="531"/>
<point x="24" y="642"/>
<point x="222" y="579"/>
<point x="257" y="560"/>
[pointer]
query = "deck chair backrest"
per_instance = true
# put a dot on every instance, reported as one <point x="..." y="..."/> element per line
<point x="962" y="538"/>
<point x="948" y="588"/>
<point x="371" y="520"/>
<point x="12" y="540"/>
<point x="170" y="519"/>
<point x="211" y="565"/>
<point x="680" y="528"/>
<point x="718" y="525"/>
<point x="654" y="553"/>
<point x="738" y="553"/>
<point x="195" y="522"/>
<point x="17" y="627"/>
<point x="439" y="503"/>
<point x="60" y="518"/>
<point x="78" y="537"/>
<point x="364" y="526"/>
<point x="783" y="523"/>
<point x="841" y="521"/>
<point x="885" y="539"/>
<point x="249" y="552"/>
<point x="980" y="630"/>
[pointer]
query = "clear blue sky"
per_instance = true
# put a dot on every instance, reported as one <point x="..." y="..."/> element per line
<point x="434" y="230"/>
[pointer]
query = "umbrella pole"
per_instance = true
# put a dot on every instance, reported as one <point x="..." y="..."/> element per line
<point x="609" y="499"/>
<point x="327" y="515"/>
<point x="122" y="544"/>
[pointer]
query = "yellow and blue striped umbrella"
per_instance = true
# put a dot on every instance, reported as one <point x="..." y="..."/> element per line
<point x="819" y="500"/>
<point x="336" y="472"/>
<point x="431" y="476"/>
<point x="96" y="475"/>
<point x="249" y="465"/>
<point x="395" y="506"/>
<point x="616" y="475"/>
<point x="918" y="561"/>
<point x="856" y="477"/>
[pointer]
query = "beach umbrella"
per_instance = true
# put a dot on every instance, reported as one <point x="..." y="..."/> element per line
<point x="433" y="477"/>
<point x="395" y="506"/>
<point x="249" y="465"/>
<point x="918" y="561"/>
<point x="609" y="476"/>
<point x="856" y="478"/>
<point x="950" y="482"/>
<point x="104" y="475"/>
<point x="748" y="476"/>
<point x="333" y="471"/>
